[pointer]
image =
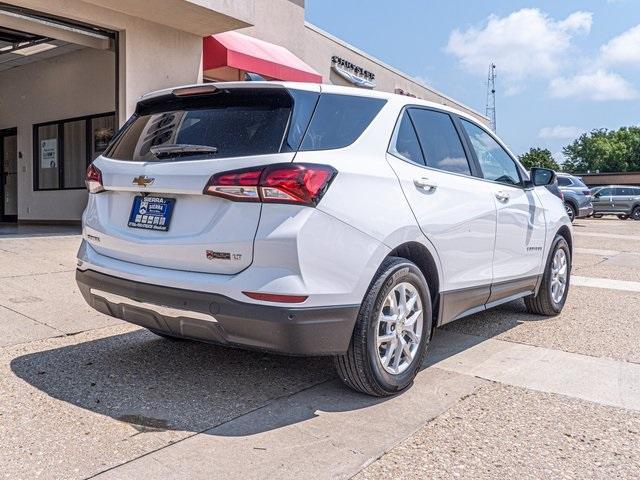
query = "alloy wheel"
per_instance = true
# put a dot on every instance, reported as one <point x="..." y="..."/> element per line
<point x="559" y="275"/>
<point x="570" y="211"/>
<point x="399" y="328"/>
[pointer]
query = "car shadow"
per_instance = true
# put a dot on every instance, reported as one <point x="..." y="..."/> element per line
<point x="155" y="384"/>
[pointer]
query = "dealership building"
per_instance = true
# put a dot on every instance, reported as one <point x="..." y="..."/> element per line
<point x="71" y="72"/>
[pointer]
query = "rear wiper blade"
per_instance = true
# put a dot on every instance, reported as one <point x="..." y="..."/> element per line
<point x="174" y="149"/>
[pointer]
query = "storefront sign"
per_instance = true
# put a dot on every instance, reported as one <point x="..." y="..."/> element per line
<point x="49" y="153"/>
<point x="353" y="73"/>
<point x="400" y="91"/>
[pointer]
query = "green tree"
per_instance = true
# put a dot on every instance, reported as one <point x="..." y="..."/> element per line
<point x="538" y="157"/>
<point x="604" y="151"/>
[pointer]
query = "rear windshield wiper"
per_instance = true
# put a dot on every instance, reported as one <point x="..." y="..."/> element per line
<point x="177" y="149"/>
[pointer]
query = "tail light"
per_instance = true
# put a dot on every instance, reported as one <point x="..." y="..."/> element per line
<point x="586" y="192"/>
<point x="93" y="180"/>
<point x="296" y="183"/>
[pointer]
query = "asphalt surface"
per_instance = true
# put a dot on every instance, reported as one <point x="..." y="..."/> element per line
<point x="82" y="394"/>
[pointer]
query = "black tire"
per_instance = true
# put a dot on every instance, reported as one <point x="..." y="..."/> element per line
<point x="166" y="335"/>
<point x="542" y="303"/>
<point x="635" y="214"/>
<point x="623" y="217"/>
<point x="360" y="368"/>
<point x="571" y="211"/>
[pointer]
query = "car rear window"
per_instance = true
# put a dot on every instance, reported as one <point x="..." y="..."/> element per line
<point x="236" y="123"/>
<point x="242" y="122"/>
<point x="339" y="120"/>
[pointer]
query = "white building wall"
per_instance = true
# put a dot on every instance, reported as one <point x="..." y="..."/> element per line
<point x="71" y="85"/>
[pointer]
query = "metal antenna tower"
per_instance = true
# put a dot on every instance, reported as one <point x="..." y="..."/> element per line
<point x="491" y="96"/>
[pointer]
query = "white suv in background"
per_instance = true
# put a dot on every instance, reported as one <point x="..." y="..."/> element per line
<point x="316" y="220"/>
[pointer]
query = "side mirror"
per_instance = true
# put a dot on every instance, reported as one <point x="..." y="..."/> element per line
<point x="542" y="176"/>
<point x="596" y="195"/>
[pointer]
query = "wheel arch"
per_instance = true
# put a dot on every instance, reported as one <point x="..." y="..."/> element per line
<point x="423" y="258"/>
<point x="565" y="233"/>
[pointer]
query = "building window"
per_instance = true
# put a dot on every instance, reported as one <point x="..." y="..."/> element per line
<point x="63" y="149"/>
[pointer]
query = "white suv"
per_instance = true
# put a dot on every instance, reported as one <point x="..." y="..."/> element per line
<point x="316" y="220"/>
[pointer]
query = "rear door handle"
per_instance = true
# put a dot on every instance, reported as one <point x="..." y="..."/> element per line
<point x="425" y="183"/>
<point x="502" y="196"/>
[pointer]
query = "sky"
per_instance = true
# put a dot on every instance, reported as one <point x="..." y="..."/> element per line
<point x="563" y="67"/>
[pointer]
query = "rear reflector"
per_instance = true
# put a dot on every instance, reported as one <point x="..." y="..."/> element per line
<point x="93" y="180"/>
<point x="296" y="183"/>
<point x="272" y="297"/>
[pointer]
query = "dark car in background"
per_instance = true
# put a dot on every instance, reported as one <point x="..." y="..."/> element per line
<point x="620" y="200"/>
<point x="577" y="196"/>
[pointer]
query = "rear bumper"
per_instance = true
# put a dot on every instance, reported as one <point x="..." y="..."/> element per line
<point x="585" y="211"/>
<point x="218" y="319"/>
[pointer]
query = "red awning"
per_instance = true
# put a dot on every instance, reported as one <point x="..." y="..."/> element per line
<point x="235" y="50"/>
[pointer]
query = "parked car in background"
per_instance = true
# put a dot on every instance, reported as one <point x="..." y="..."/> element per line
<point x="620" y="200"/>
<point x="316" y="220"/>
<point x="577" y="196"/>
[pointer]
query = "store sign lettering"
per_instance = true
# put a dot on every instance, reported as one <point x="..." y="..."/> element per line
<point x="353" y="73"/>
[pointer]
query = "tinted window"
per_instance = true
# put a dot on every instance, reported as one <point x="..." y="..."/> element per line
<point x="623" y="191"/>
<point x="439" y="140"/>
<point x="564" y="182"/>
<point x="578" y="181"/>
<point x="238" y="123"/>
<point x="339" y="120"/>
<point x="406" y="144"/>
<point x="604" y="192"/>
<point x="495" y="162"/>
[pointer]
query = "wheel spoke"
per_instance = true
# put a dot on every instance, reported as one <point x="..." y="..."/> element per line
<point x="412" y="335"/>
<point x="386" y="338"/>
<point x="402" y="291"/>
<point x="411" y="321"/>
<point x="398" y="353"/>
<point x="412" y="302"/>
<point x="407" y="350"/>
<point x="389" y="355"/>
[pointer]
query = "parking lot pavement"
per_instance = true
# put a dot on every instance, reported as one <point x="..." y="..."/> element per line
<point x="73" y="406"/>
<point x="38" y="294"/>
<point x="510" y="432"/>
<point x="502" y="393"/>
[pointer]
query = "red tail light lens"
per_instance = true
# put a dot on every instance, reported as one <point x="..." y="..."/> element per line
<point x="586" y="192"/>
<point x="238" y="185"/>
<point x="93" y="180"/>
<point x="297" y="183"/>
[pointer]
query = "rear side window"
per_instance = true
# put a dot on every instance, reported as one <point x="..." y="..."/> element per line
<point x="441" y="145"/>
<point x="339" y="120"/>
<point x="406" y="144"/>
<point x="564" y="182"/>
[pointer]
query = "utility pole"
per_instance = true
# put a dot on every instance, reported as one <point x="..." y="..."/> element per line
<point x="491" y="96"/>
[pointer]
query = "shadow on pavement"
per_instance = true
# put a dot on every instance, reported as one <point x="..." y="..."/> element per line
<point x="157" y="384"/>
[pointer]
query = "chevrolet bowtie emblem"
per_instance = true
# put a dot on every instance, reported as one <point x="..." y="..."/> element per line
<point x="143" y="180"/>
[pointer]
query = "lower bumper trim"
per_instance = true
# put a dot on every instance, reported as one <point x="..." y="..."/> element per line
<point x="218" y="319"/>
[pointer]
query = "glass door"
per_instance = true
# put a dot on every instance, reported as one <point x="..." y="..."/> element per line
<point x="8" y="175"/>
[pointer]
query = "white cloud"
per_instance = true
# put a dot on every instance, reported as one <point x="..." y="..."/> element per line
<point x="623" y="49"/>
<point x="599" y="85"/>
<point x="526" y="43"/>
<point x="560" y="132"/>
